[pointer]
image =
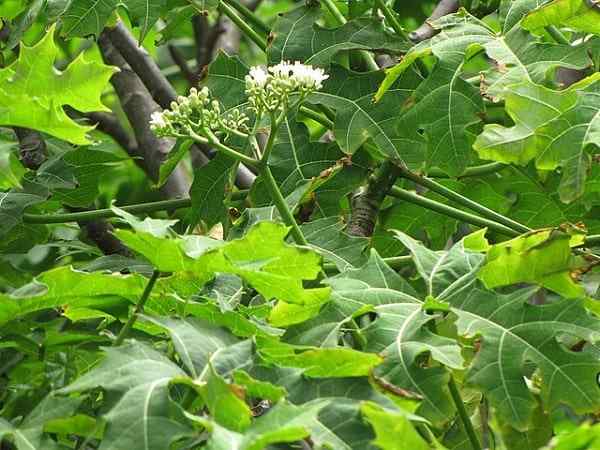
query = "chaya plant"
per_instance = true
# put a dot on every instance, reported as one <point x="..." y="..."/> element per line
<point x="272" y="95"/>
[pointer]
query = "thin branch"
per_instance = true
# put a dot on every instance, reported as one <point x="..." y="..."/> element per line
<point x="449" y="211"/>
<point x="425" y="31"/>
<point x="142" y="64"/>
<point x="462" y="200"/>
<point x="242" y="26"/>
<point x="463" y="415"/>
<point x="138" y="63"/>
<point x="181" y="62"/>
<point x="100" y="231"/>
<point x="33" y="152"/>
<point x="367" y="201"/>
<point x="32" y="148"/>
<point x="138" y="106"/>
<point x="109" y="123"/>
<point x="139" y="308"/>
<point x="139" y="208"/>
<point x="249" y="15"/>
<point x="390" y="17"/>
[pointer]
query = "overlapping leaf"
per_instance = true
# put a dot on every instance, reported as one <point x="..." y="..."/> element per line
<point x="29" y="434"/>
<point x="33" y="92"/>
<point x="513" y="332"/>
<point x="543" y="257"/>
<point x="444" y="137"/>
<point x="298" y="37"/>
<point x="358" y="118"/>
<point x="581" y="15"/>
<point x="557" y="129"/>
<point x="65" y="286"/>
<point x="143" y="416"/>
<point x="261" y="257"/>
<point x="84" y="18"/>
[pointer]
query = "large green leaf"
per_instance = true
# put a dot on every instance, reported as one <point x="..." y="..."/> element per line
<point x="356" y="291"/>
<point x="186" y="334"/>
<point x="225" y="403"/>
<point x="557" y="129"/>
<point x="143" y="416"/>
<point x="399" y="333"/>
<point x="298" y="37"/>
<point x="358" y="118"/>
<point x="83" y="18"/>
<point x="396" y="334"/>
<point x="65" y="286"/>
<point x="262" y="257"/>
<point x="211" y="182"/>
<point x="88" y="166"/>
<point x="580" y="15"/>
<point x="529" y="106"/>
<point x="318" y="362"/>
<point x="514" y="332"/>
<point x="29" y="434"/>
<point x="33" y="92"/>
<point x="393" y="428"/>
<point x="444" y="272"/>
<point x="444" y="136"/>
<point x="543" y="257"/>
<point x="327" y="237"/>
<point x="283" y="423"/>
<point x="295" y="159"/>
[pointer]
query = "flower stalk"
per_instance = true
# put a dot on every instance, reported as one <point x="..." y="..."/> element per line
<point x="139" y="308"/>
<point x="272" y="93"/>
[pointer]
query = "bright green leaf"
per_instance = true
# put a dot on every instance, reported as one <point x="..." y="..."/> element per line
<point x="33" y="92"/>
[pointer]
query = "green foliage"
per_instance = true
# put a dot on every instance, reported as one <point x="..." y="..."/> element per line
<point x="579" y="14"/>
<point x="338" y="291"/>
<point x="33" y="92"/>
<point x="297" y="37"/>
<point x="543" y="257"/>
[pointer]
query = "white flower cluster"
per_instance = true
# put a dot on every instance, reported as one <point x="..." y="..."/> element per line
<point x="195" y="112"/>
<point x="269" y="90"/>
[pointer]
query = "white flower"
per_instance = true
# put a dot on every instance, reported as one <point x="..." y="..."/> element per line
<point x="270" y="89"/>
<point x="308" y="77"/>
<point x="157" y="120"/>
<point x="257" y="77"/>
<point x="283" y="70"/>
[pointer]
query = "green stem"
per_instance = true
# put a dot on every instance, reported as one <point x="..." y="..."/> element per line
<point x="463" y="415"/>
<point x="163" y="205"/>
<point x="341" y="20"/>
<point x="317" y="117"/>
<point x="140" y="208"/>
<point x="461" y="200"/>
<point x="139" y="308"/>
<point x="473" y="171"/>
<point x="449" y="211"/>
<point x="280" y="203"/>
<point x="390" y="16"/>
<point x="270" y="140"/>
<point x="249" y="15"/>
<point x="357" y="335"/>
<point x="214" y="141"/>
<point x="335" y="12"/>
<point x="243" y="26"/>
<point x="395" y="262"/>
<point x="556" y="34"/>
